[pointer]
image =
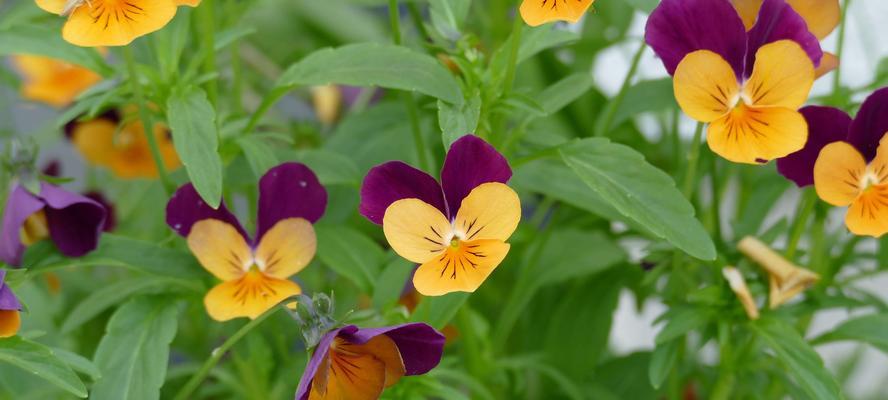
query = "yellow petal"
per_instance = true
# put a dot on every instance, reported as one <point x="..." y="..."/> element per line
<point x="415" y="229"/>
<point x="286" y="248"/>
<point x="828" y="63"/>
<point x="116" y="22"/>
<point x="757" y="134"/>
<point x="782" y="76"/>
<point x="868" y="214"/>
<point x="220" y="248"/>
<point x="95" y="140"/>
<point x="461" y="269"/>
<point x="53" y="82"/>
<point x="345" y="375"/>
<point x="383" y="349"/>
<point x="53" y="6"/>
<point x="786" y="279"/>
<point x="822" y="16"/>
<point x="738" y="285"/>
<point x="705" y="86"/>
<point x="189" y="3"/>
<point x="490" y="211"/>
<point x="249" y="296"/>
<point x="35" y="228"/>
<point x="10" y="322"/>
<point x="748" y="10"/>
<point x="838" y="172"/>
<point x="538" y="12"/>
<point x="131" y="157"/>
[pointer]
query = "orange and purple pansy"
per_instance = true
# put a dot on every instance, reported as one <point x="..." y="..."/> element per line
<point x="10" y="320"/>
<point x="847" y="161"/>
<point x="351" y="363"/>
<point x="72" y="221"/>
<point x="538" y="12"/>
<point x="455" y="230"/>
<point x="255" y="273"/>
<point x="52" y="81"/>
<point x="748" y="86"/>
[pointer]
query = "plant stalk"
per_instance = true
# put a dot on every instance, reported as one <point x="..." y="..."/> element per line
<point x="611" y="110"/>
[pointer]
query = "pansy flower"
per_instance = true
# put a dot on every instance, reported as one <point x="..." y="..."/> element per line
<point x="786" y="280"/>
<point x="455" y="230"/>
<point x="538" y="12"/>
<point x="847" y="161"/>
<point x="94" y="23"/>
<point x="255" y="273"/>
<point x="747" y="86"/>
<point x="10" y="320"/>
<point x="73" y="222"/>
<point x="358" y="364"/>
<point x="51" y="81"/>
<point x="821" y="16"/>
<point x="121" y="145"/>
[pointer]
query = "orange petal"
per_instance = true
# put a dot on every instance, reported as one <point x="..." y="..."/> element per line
<point x="705" y="86"/>
<point x="868" y="214"/>
<point x="189" y="3"/>
<point x="748" y="10"/>
<point x="754" y="135"/>
<point x="95" y="140"/>
<point x="132" y="157"/>
<point x="116" y="22"/>
<point x="249" y="296"/>
<point x="782" y="76"/>
<point x="822" y="16"/>
<point x="461" y="269"/>
<point x="220" y="248"/>
<point x="53" y="82"/>
<point x="286" y="248"/>
<point x="828" y="63"/>
<point x="53" y="6"/>
<point x="10" y="322"/>
<point x="382" y="348"/>
<point x="538" y="12"/>
<point x="490" y="211"/>
<point x="415" y="229"/>
<point x="838" y="172"/>
<point x="346" y="375"/>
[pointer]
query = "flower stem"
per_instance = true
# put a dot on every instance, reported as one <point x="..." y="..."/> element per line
<point x="611" y="110"/>
<point x="837" y="77"/>
<point x="716" y="199"/>
<point x="690" y="179"/>
<point x="395" y="20"/>
<point x="514" y="49"/>
<point x="809" y="200"/>
<point x="217" y="355"/>
<point x="145" y="116"/>
<point x="409" y="101"/>
<point x="207" y="26"/>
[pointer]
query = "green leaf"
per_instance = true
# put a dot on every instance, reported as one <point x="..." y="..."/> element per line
<point x="113" y="294"/>
<point x="682" y="321"/>
<point x="872" y="329"/>
<point x="78" y="363"/>
<point x="118" y="251"/>
<point x="458" y="120"/>
<point x="41" y="361"/>
<point x="448" y="16"/>
<point x="640" y="191"/>
<point x="565" y="91"/>
<point x="350" y="253"/>
<point x="645" y="96"/>
<point x="332" y="168"/>
<point x="800" y="360"/>
<point x="258" y="153"/>
<point x="134" y="353"/>
<point x="46" y="41"/>
<point x="662" y="362"/>
<point x="193" y="124"/>
<point x="536" y="39"/>
<point x="390" y="283"/>
<point x="625" y="376"/>
<point x="437" y="311"/>
<point x="645" y="6"/>
<point x="374" y="64"/>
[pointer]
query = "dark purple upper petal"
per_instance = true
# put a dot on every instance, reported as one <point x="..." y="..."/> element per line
<point x="8" y="301"/>
<point x="19" y="206"/>
<point x="110" y="218"/>
<point x="420" y="345"/>
<point x="778" y="21"/>
<point x="870" y="124"/>
<point x="825" y="125"/>
<point x="290" y="190"/>
<point x="186" y="208"/>
<point x="75" y="222"/>
<point x="393" y="181"/>
<point x="678" y="27"/>
<point x="470" y="162"/>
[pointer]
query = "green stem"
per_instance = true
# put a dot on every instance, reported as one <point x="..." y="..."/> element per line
<point x="217" y="355"/>
<point x="145" y="116"/>
<point x="618" y="100"/>
<point x="416" y="17"/>
<point x="207" y="23"/>
<point x="514" y="49"/>
<point x="716" y="199"/>
<point x="409" y="101"/>
<point x="471" y="348"/>
<point x="837" y="77"/>
<point x="809" y="200"/>
<point x="270" y="99"/>
<point x="395" y="20"/>
<point x="690" y="179"/>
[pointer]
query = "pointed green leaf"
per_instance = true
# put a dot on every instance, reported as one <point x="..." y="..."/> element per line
<point x="192" y="121"/>
<point x="41" y="361"/>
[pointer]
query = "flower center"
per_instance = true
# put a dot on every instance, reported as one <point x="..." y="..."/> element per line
<point x="868" y="180"/>
<point x="454" y="243"/>
<point x="34" y="229"/>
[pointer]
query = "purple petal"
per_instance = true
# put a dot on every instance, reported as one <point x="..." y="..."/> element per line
<point x="825" y="125"/>
<point x="8" y="301"/>
<point x="870" y="124"/>
<point x="420" y="345"/>
<point x="678" y="27"/>
<point x="19" y="206"/>
<point x="290" y="190"/>
<point x="304" y="388"/>
<point x="75" y="222"/>
<point x="110" y="218"/>
<point x="470" y="162"/>
<point x="393" y="181"/>
<point x="186" y="208"/>
<point x="778" y="21"/>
